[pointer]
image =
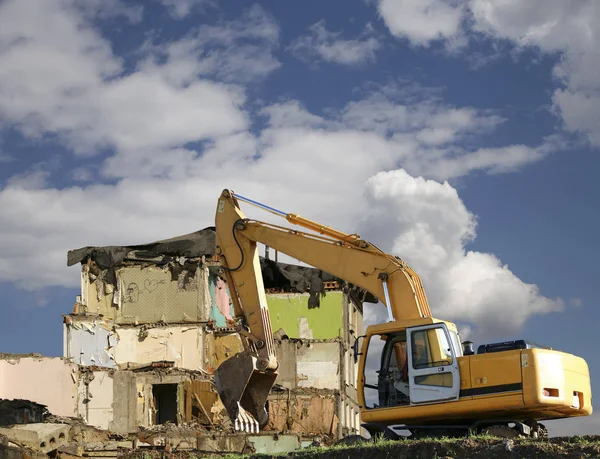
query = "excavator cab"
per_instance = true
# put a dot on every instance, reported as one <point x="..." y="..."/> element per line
<point x="416" y="365"/>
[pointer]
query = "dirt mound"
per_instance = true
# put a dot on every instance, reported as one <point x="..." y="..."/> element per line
<point x="492" y="448"/>
<point x="469" y="448"/>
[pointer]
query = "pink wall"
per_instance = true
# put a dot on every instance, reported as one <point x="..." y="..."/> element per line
<point x="50" y="381"/>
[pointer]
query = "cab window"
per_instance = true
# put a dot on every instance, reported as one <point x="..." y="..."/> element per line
<point x="430" y="348"/>
<point x="386" y="371"/>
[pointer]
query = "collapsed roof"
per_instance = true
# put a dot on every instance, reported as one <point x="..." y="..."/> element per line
<point x="193" y="245"/>
<point x="276" y="275"/>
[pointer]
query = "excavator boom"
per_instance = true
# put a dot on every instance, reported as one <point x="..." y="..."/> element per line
<point x="244" y="381"/>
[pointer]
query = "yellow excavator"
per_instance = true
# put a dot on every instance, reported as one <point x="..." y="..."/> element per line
<point x="414" y="374"/>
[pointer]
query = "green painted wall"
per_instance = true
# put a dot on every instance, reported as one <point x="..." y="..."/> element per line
<point x="287" y="309"/>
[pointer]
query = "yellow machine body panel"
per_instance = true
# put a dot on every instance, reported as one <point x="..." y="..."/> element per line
<point x="555" y="384"/>
<point x="518" y="384"/>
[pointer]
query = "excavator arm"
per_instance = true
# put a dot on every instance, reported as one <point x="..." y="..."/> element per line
<point x="244" y="381"/>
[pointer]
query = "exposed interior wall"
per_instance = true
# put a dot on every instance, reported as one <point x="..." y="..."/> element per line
<point x="200" y="403"/>
<point x="96" y="398"/>
<point x="90" y="342"/>
<point x="290" y="311"/>
<point x="306" y="413"/>
<point x="161" y="396"/>
<point x="318" y="365"/>
<point x="353" y="320"/>
<point x="96" y="343"/>
<point x="147" y="294"/>
<point x="50" y="381"/>
<point x="181" y="344"/>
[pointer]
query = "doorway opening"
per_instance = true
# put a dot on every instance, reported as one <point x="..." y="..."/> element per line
<point x="165" y="403"/>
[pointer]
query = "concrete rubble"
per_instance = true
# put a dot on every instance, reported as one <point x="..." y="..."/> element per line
<point x="21" y="412"/>
<point x="141" y="345"/>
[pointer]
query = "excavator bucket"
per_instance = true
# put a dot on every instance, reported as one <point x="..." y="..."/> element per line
<point x="244" y="390"/>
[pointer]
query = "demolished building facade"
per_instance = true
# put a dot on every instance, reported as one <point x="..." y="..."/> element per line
<point x="150" y="327"/>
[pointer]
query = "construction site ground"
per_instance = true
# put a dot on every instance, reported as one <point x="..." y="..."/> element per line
<point x="474" y="447"/>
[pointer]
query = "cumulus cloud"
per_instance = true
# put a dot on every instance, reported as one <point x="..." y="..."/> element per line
<point x="427" y="224"/>
<point x="422" y="21"/>
<point x="320" y="44"/>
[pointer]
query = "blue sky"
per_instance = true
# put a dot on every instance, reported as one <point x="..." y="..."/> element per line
<point x="462" y="136"/>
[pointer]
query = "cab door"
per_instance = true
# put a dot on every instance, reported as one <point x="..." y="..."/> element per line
<point x="433" y="369"/>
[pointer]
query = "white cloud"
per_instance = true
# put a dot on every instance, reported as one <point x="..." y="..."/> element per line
<point x="430" y="137"/>
<point x="179" y="9"/>
<point x="292" y="114"/>
<point x="51" y="63"/>
<point x="457" y="162"/>
<point x="321" y="44"/>
<point x="422" y="21"/>
<point x="390" y="111"/>
<point x="82" y="174"/>
<point x="576" y="302"/>
<point x="34" y="179"/>
<point x="239" y="50"/>
<point x="426" y="223"/>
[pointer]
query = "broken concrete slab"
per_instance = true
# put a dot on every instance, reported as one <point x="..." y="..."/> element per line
<point x="38" y="436"/>
<point x="273" y="444"/>
<point x="8" y="451"/>
<point x="265" y="443"/>
<point x="212" y="443"/>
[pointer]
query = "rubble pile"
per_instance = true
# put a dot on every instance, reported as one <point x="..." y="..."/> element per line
<point x="71" y="438"/>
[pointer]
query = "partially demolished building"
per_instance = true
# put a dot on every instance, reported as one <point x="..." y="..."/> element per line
<point x="149" y="329"/>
